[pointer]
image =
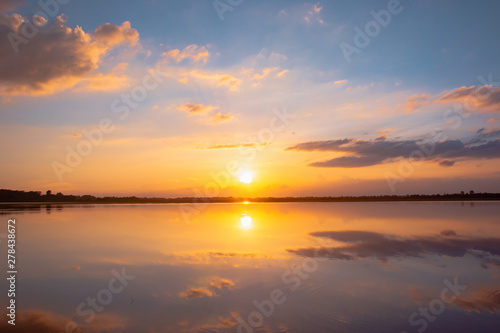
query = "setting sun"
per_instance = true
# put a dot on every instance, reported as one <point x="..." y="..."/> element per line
<point x="246" y="177"/>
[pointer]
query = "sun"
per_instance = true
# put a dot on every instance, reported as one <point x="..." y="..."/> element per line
<point x="246" y="221"/>
<point x="246" y="177"/>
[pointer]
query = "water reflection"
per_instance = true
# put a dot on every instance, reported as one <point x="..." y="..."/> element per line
<point x="358" y="245"/>
<point x="325" y="267"/>
<point x="246" y="221"/>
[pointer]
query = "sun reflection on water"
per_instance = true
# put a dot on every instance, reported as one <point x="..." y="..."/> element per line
<point x="246" y="221"/>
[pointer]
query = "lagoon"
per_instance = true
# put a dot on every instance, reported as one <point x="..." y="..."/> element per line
<point x="257" y="267"/>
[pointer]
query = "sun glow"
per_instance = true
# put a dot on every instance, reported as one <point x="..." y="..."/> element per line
<point x="246" y="177"/>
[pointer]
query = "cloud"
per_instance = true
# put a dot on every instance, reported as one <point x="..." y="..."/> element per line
<point x="57" y="57"/>
<point x="282" y="73"/>
<point x="41" y="321"/>
<point x="257" y="78"/>
<point x="110" y="35"/>
<point x="447" y="163"/>
<point x="217" y="284"/>
<point x="230" y="81"/>
<point x="219" y="79"/>
<point x="313" y="14"/>
<point x="484" y="135"/>
<point x="219" y="324"/>
<point x="415" y="102"/>
<point x="275" y="57"/>
<point x="385" y="131"/>
<point x="113" y="81"/>
<point x="448" y="232"/>
<point x="234" y="254"/>
<point x="489" y="132"/>
<point x="363" y="153"/>
<point x="194" y="52"/>
<point x="220" y="283"/>
<point x="330" y="145"/>
<point x="365" y="244"/>
<point x="35" y="321"/>
<point x="221" y="117"/>
<point x="195" y="293"/>
<point x="339" y="82"/>
<point x="193" y="108"/>
<point x="485" y="98"/>
<point x="349" y="162"/>
<point x="217" y="118"/>
<point x="171" y="62"/>
<point x="482" y="301"/>
<point x="265" y="73"/>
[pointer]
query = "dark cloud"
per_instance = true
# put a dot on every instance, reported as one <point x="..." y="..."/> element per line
<point x="350" y="162"/>
<point x="447" y="163"/>
<point x="42" y="321"/>
<point x="56" y="57"/>
<point x="363" y="153"/>
<point x="484" y="135"/>
<point x="364" y="244"/>
<point x="351" y="236"/>
<point x="448" y="233"/>
<point x="36" y="322"/>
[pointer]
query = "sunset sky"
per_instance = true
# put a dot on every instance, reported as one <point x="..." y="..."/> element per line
<point x="183" y="98"/>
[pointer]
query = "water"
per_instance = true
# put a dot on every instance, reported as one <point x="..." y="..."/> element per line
<point x="280" y="267"/>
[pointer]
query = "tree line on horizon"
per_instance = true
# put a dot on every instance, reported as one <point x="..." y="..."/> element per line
<point x="37" y="196"/>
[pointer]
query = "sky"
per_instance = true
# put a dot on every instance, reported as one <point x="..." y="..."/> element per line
<point x="250" y="98"/>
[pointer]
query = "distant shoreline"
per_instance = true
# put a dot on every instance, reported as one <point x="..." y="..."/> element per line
<point x="36" y="198"/>
<point x="195" y="201"/>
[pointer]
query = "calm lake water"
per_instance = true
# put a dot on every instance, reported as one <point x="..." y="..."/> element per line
<point x="267" y="267"/>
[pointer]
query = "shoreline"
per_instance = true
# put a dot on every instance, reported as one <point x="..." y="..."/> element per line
<point x="198" y="201"/>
